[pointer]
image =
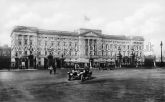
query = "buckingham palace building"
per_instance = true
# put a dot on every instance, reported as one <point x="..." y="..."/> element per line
<point x="32" y="48"/>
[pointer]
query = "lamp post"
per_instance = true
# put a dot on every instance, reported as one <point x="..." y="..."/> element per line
<point x="161" y="44"/>
<point x="133" y="56"/>
<point x="119" y="57"/>
<point x="62" y="60"/>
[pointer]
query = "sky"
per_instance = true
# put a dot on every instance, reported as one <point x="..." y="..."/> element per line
<point x="115" y="17"/>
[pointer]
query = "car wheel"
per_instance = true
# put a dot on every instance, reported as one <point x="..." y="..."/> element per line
<point x="69" y="78"/>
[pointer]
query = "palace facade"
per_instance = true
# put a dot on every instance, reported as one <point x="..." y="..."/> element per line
<point x="33" y="46"/>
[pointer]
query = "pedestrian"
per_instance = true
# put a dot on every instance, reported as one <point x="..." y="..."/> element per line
<point x="50" y="69"/>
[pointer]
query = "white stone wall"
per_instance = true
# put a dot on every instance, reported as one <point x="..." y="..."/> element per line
<point x="71" y="47"/>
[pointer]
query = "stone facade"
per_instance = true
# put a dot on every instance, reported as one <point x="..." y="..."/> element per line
<point x="83" y="46"/>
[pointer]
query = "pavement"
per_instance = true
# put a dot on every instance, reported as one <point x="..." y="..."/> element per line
<point x="121" y="85"/>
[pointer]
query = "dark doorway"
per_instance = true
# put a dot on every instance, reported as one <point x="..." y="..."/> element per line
<point x="31" y="61"/>
<point x="45" y="63"/>
<point x="16" y="62"/>
<point x="50" y="60"/>
<point x="26" y="63"/>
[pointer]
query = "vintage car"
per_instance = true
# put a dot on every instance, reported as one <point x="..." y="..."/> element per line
<point x="80" y="74"/>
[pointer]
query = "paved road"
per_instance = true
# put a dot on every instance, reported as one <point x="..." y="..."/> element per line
<point x="124" y="85"/>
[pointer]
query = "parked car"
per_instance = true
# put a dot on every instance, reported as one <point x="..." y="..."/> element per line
<point x="80" y="74"/>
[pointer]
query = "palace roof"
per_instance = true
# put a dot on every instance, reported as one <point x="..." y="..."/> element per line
<point x="123" y="37"/>
<point x="82" y="32"/>
<point x="55" y="32"/>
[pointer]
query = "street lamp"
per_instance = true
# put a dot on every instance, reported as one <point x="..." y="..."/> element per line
<point x="119" y="56"/>
<point x="161" y="44"/>
<point x="133" y="56"/>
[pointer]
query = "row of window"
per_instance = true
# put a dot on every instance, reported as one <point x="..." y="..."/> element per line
<point x="104" y="46"/>
<point x="25" y="42"/>
<point x="93" y="53"/>
<point x="117" y="42"/>
<point x="121" y="47"/>
<point x="112" y="53"/>
<point x="65" y="53"/>
<point x="124" y="53"/>
<point x="54" y="37"/>
<point x="111" y="47"/>
<point x="58" y="43"/>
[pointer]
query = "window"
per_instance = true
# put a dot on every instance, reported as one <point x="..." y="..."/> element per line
<point x="128" y="53"/>
<point x="64" y="43"/>
<point x="39" y="52"/>
<point x="75" y="53"/>
<point x="20" y="52"/>
<point x="25" y="42"/>
<point x="39" y="63"/>
<point x="70" y="43"/>
<point x="106" y="53"/>
<point x="111" y="46"/>
<point x="58" y="43"/>
<point x="52" y="43"/>
<point x="95" y="53"/>
<point x="31" y="42"/>
<point x="45" y="52"/>
<point x="19" y="42"/>
<point x="25" y="52"/>
<point x="124" y="47"/>
<point x="50" y="38"/>
<point x="64" y="52"/>
<point x="70" y="52"/>
<point x="31" y="52"/>
<point x="137" y="53"/>
<point x="58" y="52"/>
<point x="45" y="43"/>
<point x="76" y="44"/>
<point x="19" y="36"/>
<point x="31" y="37"/>
<point x="111" y="53"/>
<point x="39" y="42"/>
<point x="106" y="46"/>
<point x="124" y="53"/>
<point x="140" y="48"/>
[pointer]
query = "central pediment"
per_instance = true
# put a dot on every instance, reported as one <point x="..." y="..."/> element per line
<point x="24" y="29"/>
<point x="90" y="34"/>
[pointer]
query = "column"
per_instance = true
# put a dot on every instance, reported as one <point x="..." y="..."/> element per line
<point x="95" y="50"/>
<point x="28" y="45"/>
<point x="92" y="46"/>
<point x="88" y="47"/>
